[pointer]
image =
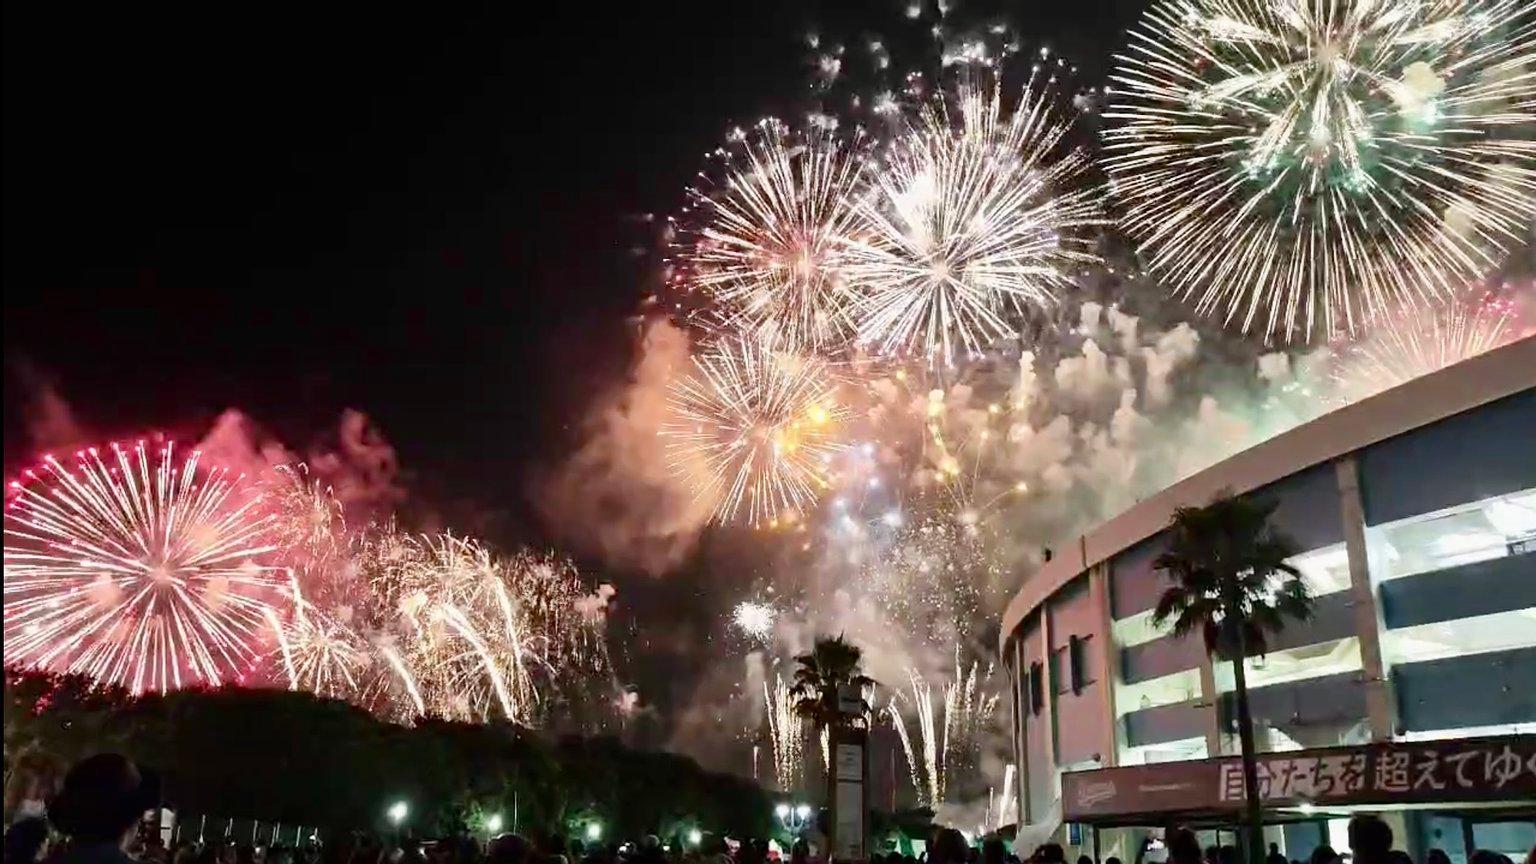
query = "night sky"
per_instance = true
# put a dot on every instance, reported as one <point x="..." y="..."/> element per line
<point x="426" y="212"/>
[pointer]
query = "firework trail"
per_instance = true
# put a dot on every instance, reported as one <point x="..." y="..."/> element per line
<point x="949" y="736"/>
<point x="465" y="634"/>
<point x="786" y="734"/>
<point x="1298" y="167"/>
<point x="756" y="431"/>
<point x="975" y="224"/>
<point x="768" y="255"/>
<point x="319" y="653"/>
<point x="459" y="632"/>
<point x="138" y="569"/>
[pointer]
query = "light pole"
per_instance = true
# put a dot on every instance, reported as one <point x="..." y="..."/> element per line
<point x="594" y="831"/>
<point x="493" y="824"/>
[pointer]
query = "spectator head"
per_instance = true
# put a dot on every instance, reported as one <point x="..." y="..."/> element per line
<point x="102" y="800"/>
<point x="1051" y="853"/>
<point x="1274" y="848"/>
<point x="24" y="840"/>
<point x="1488" y="856"/>
<point x="1112" y="860"/>
<point x="1084" y="859"/>
<point x="1323" y="854"/>
<point x="1436" y="856"/>
<point x="1370" y="839"/>
<point x="993" y="851"/>
<point x="949" y="847"/>
<point x="507" y="849"/>
<point x="1183" y="847"/>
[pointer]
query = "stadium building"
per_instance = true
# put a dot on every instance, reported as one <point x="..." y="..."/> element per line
<point x="1411" y="692"/>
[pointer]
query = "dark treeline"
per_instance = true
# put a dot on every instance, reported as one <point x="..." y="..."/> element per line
<point x="297" y="759"/>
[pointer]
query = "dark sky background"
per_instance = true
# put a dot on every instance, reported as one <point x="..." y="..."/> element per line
<point x="423" y="211"/>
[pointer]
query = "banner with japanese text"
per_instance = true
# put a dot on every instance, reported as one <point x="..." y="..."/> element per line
<point x="1467" y="769"/>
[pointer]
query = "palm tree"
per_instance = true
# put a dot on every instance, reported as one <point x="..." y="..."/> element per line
<point x="1231" y="582"/>
<point x="833" y="664"/>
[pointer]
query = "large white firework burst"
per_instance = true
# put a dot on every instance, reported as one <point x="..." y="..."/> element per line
<point x="1298" y="167"/>
<point x="755" y="431"/>
<point x="768" y="253"/>
<point x="138" y="569"/>
<point x="979" y="219"/>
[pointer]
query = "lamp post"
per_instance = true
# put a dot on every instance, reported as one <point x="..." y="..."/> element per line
<point x="493" y="824"/>
<point x="594" y="831"/>
<point x="793" y="818"/>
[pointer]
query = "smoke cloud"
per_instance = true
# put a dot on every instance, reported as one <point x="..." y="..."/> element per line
<point x="616" y="497"/>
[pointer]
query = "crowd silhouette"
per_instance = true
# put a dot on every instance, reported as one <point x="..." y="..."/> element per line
<point x="96" y="818"/>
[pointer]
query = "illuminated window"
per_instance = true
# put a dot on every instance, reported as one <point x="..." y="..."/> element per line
<point x="1168" y="751"/>
<point x="1167" y="690"/>
<point x="1137" y="630"/>
<point x="1324" y="570"/>
<point x="1477" y="635"/>
<point x="1466" y="534"/>
<point x="1293" y="664"/>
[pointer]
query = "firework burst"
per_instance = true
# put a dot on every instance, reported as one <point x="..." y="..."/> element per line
<point x="138" y="569"/>
<point x="1298" y="167"/>
<point x="768" y="254"/>
<point x="319" y="652"/>
<point x="976" y="224"/>
<point x="755" y="620"/>
<point x="1409" y="346"/>
<point x="756" y="431"/>
<point x="307" y="517"/>
<point x="462" y="634"/>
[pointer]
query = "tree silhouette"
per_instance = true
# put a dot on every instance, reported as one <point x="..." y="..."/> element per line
<point x="1231" y="582"/>
<point x="834" y="664"/>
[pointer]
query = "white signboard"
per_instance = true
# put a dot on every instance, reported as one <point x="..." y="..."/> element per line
<point x="850" y="762"/>
<point x="848" y="833"/>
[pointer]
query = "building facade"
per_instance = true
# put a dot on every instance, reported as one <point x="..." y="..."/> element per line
<point x="1416" y="511"/>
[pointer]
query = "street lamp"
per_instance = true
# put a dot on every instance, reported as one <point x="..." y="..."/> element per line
<point x="493" y="823"/>
<point x="695" y="836"/>
<point x="397" y="812"/>
<point x="793" y="818"/>
<point x="594" y="831"/>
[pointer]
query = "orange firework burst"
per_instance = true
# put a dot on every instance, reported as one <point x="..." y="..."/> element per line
<point x="757" y="431"/>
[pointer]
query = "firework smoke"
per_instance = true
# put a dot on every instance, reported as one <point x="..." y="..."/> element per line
<point x="616" y="497"/>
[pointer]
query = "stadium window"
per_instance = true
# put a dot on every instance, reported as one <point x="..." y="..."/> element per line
<point x="1036" y="688"/>
<point x="1077" y="660"/>
<point x="1059" y="672"/>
